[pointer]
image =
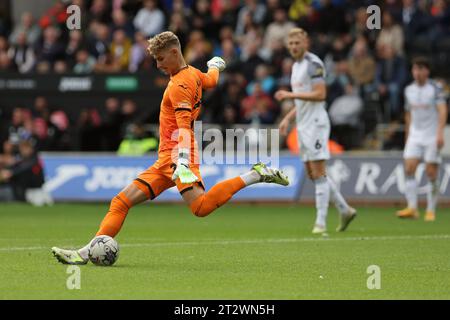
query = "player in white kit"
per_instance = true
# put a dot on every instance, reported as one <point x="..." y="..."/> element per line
<point x="425" y="119"/>
<point x="313" y="127"/>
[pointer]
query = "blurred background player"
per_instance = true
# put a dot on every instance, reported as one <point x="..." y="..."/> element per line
<point x="425" y="119"/>
<point x="177" y="163"/>
<point x="313" y="125"/>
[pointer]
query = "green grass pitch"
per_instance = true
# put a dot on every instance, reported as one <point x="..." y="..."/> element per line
<point x="238" y="252"/>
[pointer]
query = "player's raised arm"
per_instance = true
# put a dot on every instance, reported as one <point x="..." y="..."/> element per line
<point x="318" y="90"/>
<point x="211" y="78"/>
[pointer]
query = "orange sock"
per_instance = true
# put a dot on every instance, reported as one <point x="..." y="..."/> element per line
<point x="217" y="196"/>
<point x="116" y="215"/>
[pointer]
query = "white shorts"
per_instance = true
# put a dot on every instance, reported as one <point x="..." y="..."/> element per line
<point x="428" y="152"/>
<point x="313" y="141"/>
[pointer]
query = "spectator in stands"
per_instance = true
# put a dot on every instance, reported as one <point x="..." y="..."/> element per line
<point x="183" y="7"/>
<point x="279" y="53"/>
<point x="252" y="10"/>
<point x="391" y="76"/>
<point x="130" y="114"/>
<point x="229" y="118"/>
<point x="107" y="64"/>
<point x="6" y="63"/>
<point x="43" y="67"/>
<point x="197" y="50"/>
<point x="121" y="49"/>
<point x="98" y="42"/>
<point x="337" y="80"/>
<point x="391" y="34"/>
<point x="58" y="138"/>
<point x="394" y="7"/>
<point x="250" y="60"/>
<point x="284" y="79"/>
<point x="276" y="31"/>
<point x="150" y="19"/>
<point x="17" y="129"/>
<point x="44" y="131"/>
<point x="111" y="122"/>
<point x="85" y="63"/>
<point x="359" y="27"/>
<point x="416" y="21"/>
<point x="60" y="67"/>
<point x="271" y="7"/>
<point x="24" y="174"/>
<point x="258" y="108"/>
<point x="229" y="53"/>
<point x="50" y="131"/>
<point x="440" y="13"/>
<point x="202" y="19"/>
<point x="361" y="66"/>
<point x="336" y="53"/>
<point x="345" y="114"/>
<point x="137" y="142"/>
<point x="40" y="107"/>
<point x="4" y="45"/>
<point x="87" y="128"/>
<point x="50" y="49"/>
<point x="27" y="26"/>
<point x="228" y="97"/>
<point x="100" y="11"/>
<point x="54" y="16"/>
<point x="74" y="44"/>
<point x="22" y="55"/>
<point x="178" y="25"/>
<point x="300" y="9"/>
<point x="131" y="7"/>
<point x="138" y="52"/>
<point x="121" y="22"/>
<point x="264" y="78"/>
<point x="226" y="10"/>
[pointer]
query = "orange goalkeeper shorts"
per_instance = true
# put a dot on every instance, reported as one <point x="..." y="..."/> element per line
<point x="158" y="178"/>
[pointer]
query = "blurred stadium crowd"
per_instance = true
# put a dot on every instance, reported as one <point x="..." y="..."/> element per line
<point x="366" y="69"/>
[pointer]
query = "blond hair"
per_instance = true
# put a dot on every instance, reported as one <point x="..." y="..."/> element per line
<point x="297" y="32"/>
<point x="162" y="41"/>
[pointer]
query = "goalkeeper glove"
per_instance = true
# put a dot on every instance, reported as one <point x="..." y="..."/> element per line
<point x="217" y="62"/>
<point x="182" y="170"/>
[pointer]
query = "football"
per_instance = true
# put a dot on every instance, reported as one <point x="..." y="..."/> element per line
<point x="103" y="251"/>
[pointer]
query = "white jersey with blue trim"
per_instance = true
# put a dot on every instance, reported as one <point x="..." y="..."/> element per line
<point x="305" y="73"/>
<point x="422" y="102"/>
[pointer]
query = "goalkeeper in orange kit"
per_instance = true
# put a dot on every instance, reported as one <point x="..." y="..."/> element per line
<point x="177" y="163"/>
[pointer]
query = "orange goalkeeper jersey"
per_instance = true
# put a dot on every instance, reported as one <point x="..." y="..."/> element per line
<point x="180" y="107"/>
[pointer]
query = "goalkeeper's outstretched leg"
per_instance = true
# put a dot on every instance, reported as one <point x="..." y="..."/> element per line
<point x="203" y="203"/>
<point x="111" y="224"/>
<point x="200" y="202"/>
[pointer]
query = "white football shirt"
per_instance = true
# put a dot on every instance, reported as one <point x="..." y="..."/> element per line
<point x="305" y="73"/>
<point x="422" y="103"/>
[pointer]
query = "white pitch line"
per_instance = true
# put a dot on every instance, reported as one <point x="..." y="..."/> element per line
<point x="252" y="241"/>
